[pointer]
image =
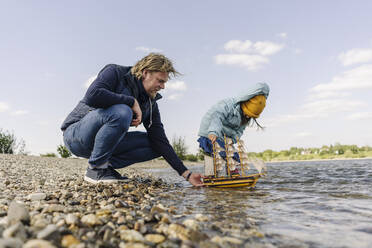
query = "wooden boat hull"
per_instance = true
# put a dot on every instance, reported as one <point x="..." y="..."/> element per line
<point x="232" y="182"/>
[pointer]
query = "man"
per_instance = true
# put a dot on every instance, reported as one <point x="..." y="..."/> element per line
<point x="118" y="98"/>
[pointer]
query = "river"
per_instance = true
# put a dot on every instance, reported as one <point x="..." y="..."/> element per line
<point x="298" y="204"/>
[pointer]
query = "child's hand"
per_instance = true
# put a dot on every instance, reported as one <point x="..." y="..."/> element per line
<point x="212" y="137"/>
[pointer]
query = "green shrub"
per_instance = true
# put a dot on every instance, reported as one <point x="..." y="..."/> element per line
<point x="191" y="157"/>
<point x="50" y="155"/>
<point x="9" y="143"/>
<point x="179" y="146"/>
<point x="63" y="151"/>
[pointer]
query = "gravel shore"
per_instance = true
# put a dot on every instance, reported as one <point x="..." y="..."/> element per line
<point x="44" y="202"/>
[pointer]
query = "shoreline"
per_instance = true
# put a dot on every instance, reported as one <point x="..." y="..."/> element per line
<point x="316" y="160"/>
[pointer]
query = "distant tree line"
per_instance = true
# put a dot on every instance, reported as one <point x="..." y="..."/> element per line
<point x="325" y="152"/>
<point x="9" y="144"/>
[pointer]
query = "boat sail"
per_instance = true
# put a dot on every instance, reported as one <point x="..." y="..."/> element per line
<point x="228" y="172"/>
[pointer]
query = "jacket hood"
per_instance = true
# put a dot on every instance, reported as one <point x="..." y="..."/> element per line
<point x="257" y="89"/>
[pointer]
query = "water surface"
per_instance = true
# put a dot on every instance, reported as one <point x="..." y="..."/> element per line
<point x="298" y="204"/>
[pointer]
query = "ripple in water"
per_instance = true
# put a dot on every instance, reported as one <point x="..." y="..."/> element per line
<point x="298" y="204"/>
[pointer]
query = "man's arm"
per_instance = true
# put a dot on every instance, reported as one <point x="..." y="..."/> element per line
<point x="160" y="144"/>
<point x="101" y="93"/>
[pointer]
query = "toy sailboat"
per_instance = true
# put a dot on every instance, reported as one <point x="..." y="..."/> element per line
<point x="227" y="173"/>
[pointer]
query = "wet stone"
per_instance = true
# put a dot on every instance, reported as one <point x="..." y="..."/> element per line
<point x="193" y="224"/>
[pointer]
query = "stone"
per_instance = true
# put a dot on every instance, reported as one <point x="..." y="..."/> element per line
<point x="4" y="221"/>
<point x="131" y="236"/>
<point x="69" y="240"/>
<point x="71" y="219"/>
<point x="38" y="243"/>
<point x="155" y="238"/>
<point x="18" y="212"/>
<point x="223" y="240"/>
<point x="39" y="223"/>
<point x="91" y="220"/>
<point x="36" y="196"/>
<point x="16" y="231"/>
<point x="53" y="208"/>
<point x="158" y="209"/>
<point x="49" y="233"/>
<point x="190" y="223"/>
<point x="11" y="243"/>
<point x="201" y="218"/>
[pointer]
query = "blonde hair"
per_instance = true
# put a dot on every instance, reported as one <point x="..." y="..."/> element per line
<point x="154" y="62"/>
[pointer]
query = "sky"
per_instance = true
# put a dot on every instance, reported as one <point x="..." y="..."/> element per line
<point x="316" y="56"/>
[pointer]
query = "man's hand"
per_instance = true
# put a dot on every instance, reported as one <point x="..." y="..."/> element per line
<point x="137" y="114"/>
<point x="194" y="179"/>
<point x="212" y="137"/>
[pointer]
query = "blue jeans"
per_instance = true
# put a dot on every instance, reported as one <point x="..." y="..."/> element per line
<point x="103" y="137"/>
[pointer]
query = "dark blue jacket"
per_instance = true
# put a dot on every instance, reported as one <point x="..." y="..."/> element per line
<point x="116" y="85"/>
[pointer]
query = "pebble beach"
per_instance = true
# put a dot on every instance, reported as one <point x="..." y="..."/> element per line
<point x="45" y="203"/>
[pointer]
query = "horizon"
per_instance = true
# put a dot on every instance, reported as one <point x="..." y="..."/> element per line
<point x="315" y="56"/>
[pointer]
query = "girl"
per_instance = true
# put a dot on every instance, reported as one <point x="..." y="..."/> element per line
<point x="230" y="117"/>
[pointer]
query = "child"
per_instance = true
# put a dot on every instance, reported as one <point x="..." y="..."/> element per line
<point x="230" y="117"/>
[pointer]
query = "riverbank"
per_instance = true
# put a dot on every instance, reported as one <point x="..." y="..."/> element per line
<point x="44" y="202"/>
<point x="317" y="160"/>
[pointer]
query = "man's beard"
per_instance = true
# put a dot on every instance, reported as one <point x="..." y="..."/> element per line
<point x="153" y="94"/>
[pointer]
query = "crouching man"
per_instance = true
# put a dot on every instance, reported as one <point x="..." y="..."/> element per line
<point x="118" y="98"/>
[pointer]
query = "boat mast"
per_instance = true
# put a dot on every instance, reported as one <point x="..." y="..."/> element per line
<point x="240" y="155"/>
<point x="227" y="158"/>
<point x="214" y="159"/>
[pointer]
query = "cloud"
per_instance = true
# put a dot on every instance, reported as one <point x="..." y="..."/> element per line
<point x="247" y="54"/>
<point x="282" y="35"/>
<point x="323" y="108"/>
<point x="316" y="110"/>
<point x="287" y="118"/>
<point x="20" y="112"/>
<point x="176" y="85"/>
<point x="355" y="56"/>
<point x="250" y="62"/>
<point x="357" y="78"/>
<point x="4" y="107"/>
<point x="360" y="116"/>
<point x="174" y="96"/>
<point x="267" y="47"/>
<point x="333" y="97"/>
<point x="260" y="47"/>
<point x="90" y="81"/>
<point x="238" y="46"/>
<point x="327" y="94"/>
<point x="173" y="89"/>
<point x="148" y="49"/>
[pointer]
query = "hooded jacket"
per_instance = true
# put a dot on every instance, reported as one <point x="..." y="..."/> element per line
<point x="116" y="85"/>
<point x="225" y="117"/>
